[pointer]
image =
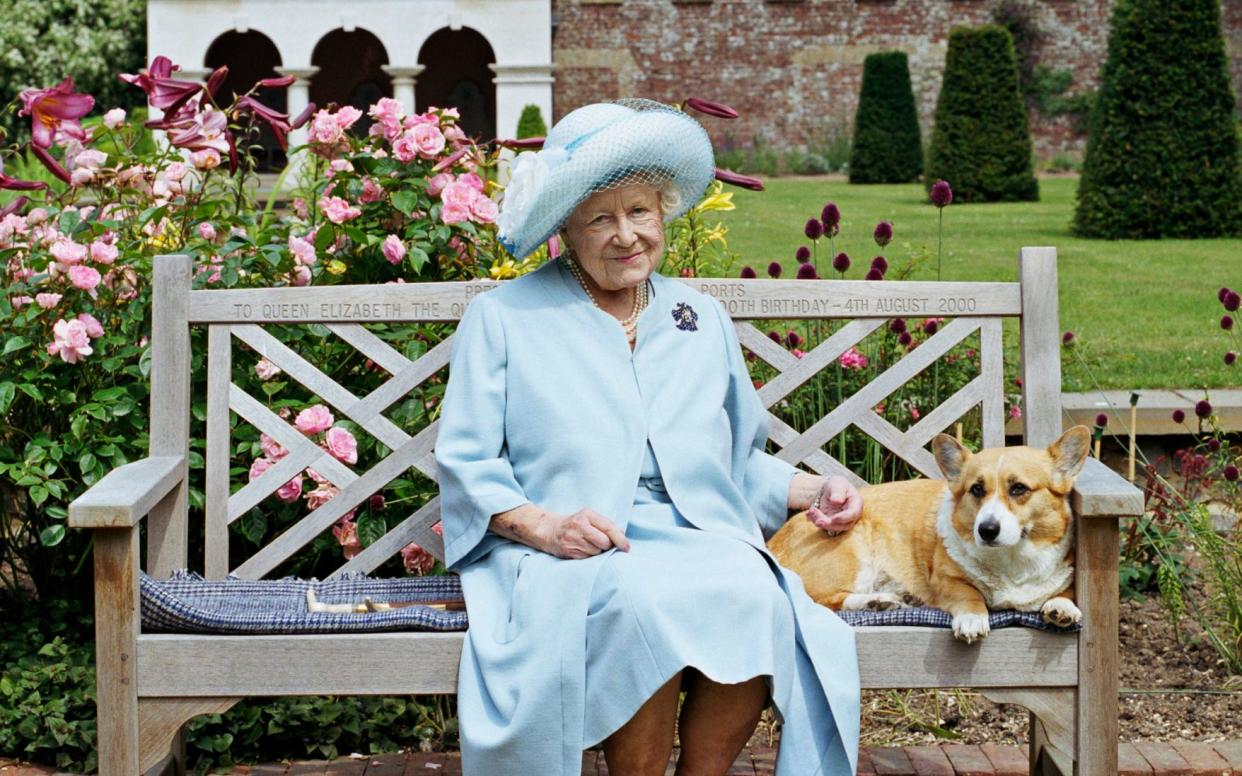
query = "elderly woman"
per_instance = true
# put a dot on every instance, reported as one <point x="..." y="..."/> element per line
<point x="606" y="493"/>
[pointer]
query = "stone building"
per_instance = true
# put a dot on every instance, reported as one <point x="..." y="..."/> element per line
<point x="792" y="67"/>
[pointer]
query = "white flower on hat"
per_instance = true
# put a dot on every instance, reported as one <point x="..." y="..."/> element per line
<point x="528" y="172"/>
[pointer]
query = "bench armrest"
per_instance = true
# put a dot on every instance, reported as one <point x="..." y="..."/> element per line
<point x="126" y="494"/>
<point x="1101" y="492"/>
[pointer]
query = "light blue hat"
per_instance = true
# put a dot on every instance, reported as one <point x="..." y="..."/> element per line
<point x="595" y="148"/>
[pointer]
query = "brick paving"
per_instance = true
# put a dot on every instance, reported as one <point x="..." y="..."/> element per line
<point x="1176" y="758"/>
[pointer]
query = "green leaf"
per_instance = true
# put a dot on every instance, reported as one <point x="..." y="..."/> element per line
<point x="87" y="462"/>
<point x="52" y="535"/>
<point x="371" y="528"/>
<point x="109" y="394"/>
<point x="38" y="494"/>
<point x="418" y="258"/>
<point x="254" y="526"/>
<point x="14" y="343"/>
<point x="7" y="393"/>
<point x="405" y="201"/>
<point x="271" y="388"/>
<point x="144" y="362"/>
<point x="31" y="390"/>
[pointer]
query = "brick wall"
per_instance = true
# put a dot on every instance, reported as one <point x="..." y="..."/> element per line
<point x="793" y="67"/>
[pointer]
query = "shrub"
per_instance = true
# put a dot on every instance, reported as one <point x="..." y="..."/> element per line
<point x="888" y="147"/>
<point x="808" y="163"/>
<point x="1162" y="156"/>
<point x="980" y="142"/>
<point x="531" y="123"/>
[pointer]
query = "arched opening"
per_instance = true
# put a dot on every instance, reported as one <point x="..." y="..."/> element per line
<point x="251" y="56"/>
<point x="457" y="75"/>
<point x="350" y="73"/>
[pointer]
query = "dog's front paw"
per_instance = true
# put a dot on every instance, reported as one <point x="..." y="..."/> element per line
<point x="876" y="602"/>
<point x="1061" y="612"/>
<point x="970" y="627"/>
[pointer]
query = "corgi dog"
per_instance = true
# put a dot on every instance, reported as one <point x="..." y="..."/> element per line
<point x="997" y="533"/>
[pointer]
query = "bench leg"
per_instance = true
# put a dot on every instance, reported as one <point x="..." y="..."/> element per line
<point x="1051" y="732"/>
<point x="1097" y="593"/>
<point x="116" y="642"/>
<point x="159" y="726"/>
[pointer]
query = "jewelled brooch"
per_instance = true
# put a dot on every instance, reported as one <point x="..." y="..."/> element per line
<point x="686" y="317"/>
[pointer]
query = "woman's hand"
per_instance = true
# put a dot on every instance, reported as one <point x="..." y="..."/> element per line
<point x="837" y="507"/>
<point x="580" y="535"/>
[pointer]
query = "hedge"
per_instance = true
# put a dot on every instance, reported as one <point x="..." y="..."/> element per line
<point x="888" y="147"/>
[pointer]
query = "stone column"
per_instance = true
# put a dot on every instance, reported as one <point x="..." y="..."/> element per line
<point x="403" y="84"/>
<point x="516" y="87"/>
<point x="296" y="100"/>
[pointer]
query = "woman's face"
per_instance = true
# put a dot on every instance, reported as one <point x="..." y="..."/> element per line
<point x="618" y="236"/>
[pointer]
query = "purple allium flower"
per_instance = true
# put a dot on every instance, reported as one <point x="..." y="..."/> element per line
<point x="831" y="216"/>
<point x="1230" y="357"/>
<point x="1232" y="301"/>
<point x="904" y="338"/>
<point x="883" y="233"/>
<point x="1222" y="293"/>
<point x="897" y="325"/>
<point x="807" y="272"/>
<point x="814" y="229"/>
<point x="941" y="193"/>
<point x="1017" y="381"/>
<point x="1214" y="444"/>
<point x="774" y="270"/>
<point x="793" y="339"/>
<point x="880" y="263"/>
<point x="747" y="272"/>
<point x="1226" y="322"/>
<point x="775" y="336"/>
<point x="874" y="274"/>
<point x="1067" y="338"/>
<point x="803" y="254"/>
<point x="1179" y="416"/>
<point x="1204" y="408"/>
<point x="930" y="325"/>
<point x="841" y="262"/>
<point x="1101" y="420"/>
<point x="1231" y="473"/>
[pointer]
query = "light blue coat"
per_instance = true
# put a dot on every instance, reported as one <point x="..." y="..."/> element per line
<point x="547" y="404"/>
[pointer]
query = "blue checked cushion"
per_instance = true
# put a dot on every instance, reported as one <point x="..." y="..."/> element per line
<point x="938" y="618"/>
<point x="188" y="603"/>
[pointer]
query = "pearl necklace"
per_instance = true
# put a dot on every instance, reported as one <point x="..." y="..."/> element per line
<point x="630" y="324"/>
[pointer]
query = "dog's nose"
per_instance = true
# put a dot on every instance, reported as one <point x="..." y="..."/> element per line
<point x="989" y="530"/>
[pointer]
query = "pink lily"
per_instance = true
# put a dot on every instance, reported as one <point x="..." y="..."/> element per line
<point x="711" y="108"/>
<point x="300" y="120"/>
<point x="207" y="128"/>
<point x="518" y="145"/>
<point x="737" y="179"/>
<point x="449" y="160"/>
<point x="50" y="163"/>
<point x="215" y="79"/>
<point x="13" y="206"/>
<point x="163" y="92"/>
<point x="279" y="122"/>
<point x="55" y="109"/>
<point x="14" y="184"/>
<point x="278" y="83"/>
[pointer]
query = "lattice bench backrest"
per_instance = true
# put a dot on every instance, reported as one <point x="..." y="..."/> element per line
<point x="241" y="314"/>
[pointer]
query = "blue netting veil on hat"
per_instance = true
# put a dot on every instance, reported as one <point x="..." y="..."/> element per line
<point x="599" y="147"/>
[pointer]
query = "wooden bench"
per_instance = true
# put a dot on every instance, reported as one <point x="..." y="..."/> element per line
<point x="150" y="684"/>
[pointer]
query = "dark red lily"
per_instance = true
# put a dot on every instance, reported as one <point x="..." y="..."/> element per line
<point x="215" y="79"/>
<point x="15" y="184"/>
<point x="163" y="92"/>
<point x="524" y="143"/>
<point x="13" y="206"/>
<point x="55" y="109"/>
<point x="279" y="122"/>
<point x="300" y="120"/>
<point x="712" y="108"/>
<point x="278" y="83"/>
<point x="51" y="164"/>
<point x="737" y="179"/>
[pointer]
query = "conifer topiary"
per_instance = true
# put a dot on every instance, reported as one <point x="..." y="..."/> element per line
<point x="530" y="124"/>
<point x="887" y="145"/>
<point x="980" y="143"/>
<point x="1162" y="155"/>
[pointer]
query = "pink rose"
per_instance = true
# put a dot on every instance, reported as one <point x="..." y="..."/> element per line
<point x="458" y="192"/>
<point x="394" y="249"/>
<point x="114" y="118"/>
<point x="347" y="536"/>
<point x="205" y="159"/>
<point x="70" y="341"/>
<point x="339" y="165"/>
<point x="342" y="445"/>
<point x="94" y="329"/>
<point x="347" y="116"/>
<point x="84" y="277"/>
<point x="207" y="231"/>
<point x="437" y="183"/>
<point x="266" y="370"/>
<point x="314" y="419"/>
<point x="416" y="559"/>
<point x="484" y="210"/>
<point x="428" y="139"/>
<point x="48" y="301"/>
<point x="453" y="213"/>
<point x="259" y="466"/>
<point x="320" y="496"/>
<point x="405" y="149"/>
<point x="176" y="171"/>
<point x="299" y="208"/>
<point x="271" y="448"/>
<point x="301" y="275"/>
<point x="338" y="210"/>
<point x="103" y="252"/>
<point x="371" y="191"/>
<point x="325" y="130"/>
<point x="1015" y="412"/>
<point x="472" y="180"/>
<point x="19" y="302"/>
<point x="316" y="476"/>
<point x="852" y="359"/>
<point x="303" y="251"/>
<point x="291" y="490"/>
<point x="67" y="251"/>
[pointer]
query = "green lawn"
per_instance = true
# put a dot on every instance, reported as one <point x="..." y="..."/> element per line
<point x="1145" y="312"/>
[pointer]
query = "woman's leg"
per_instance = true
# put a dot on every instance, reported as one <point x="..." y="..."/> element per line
<point x="641" y="747"/>
<point x="716" y="722"/>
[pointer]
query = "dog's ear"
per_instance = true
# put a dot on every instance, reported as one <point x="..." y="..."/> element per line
<point x="949" y="455"/>
<point x="1069" y="452"/>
